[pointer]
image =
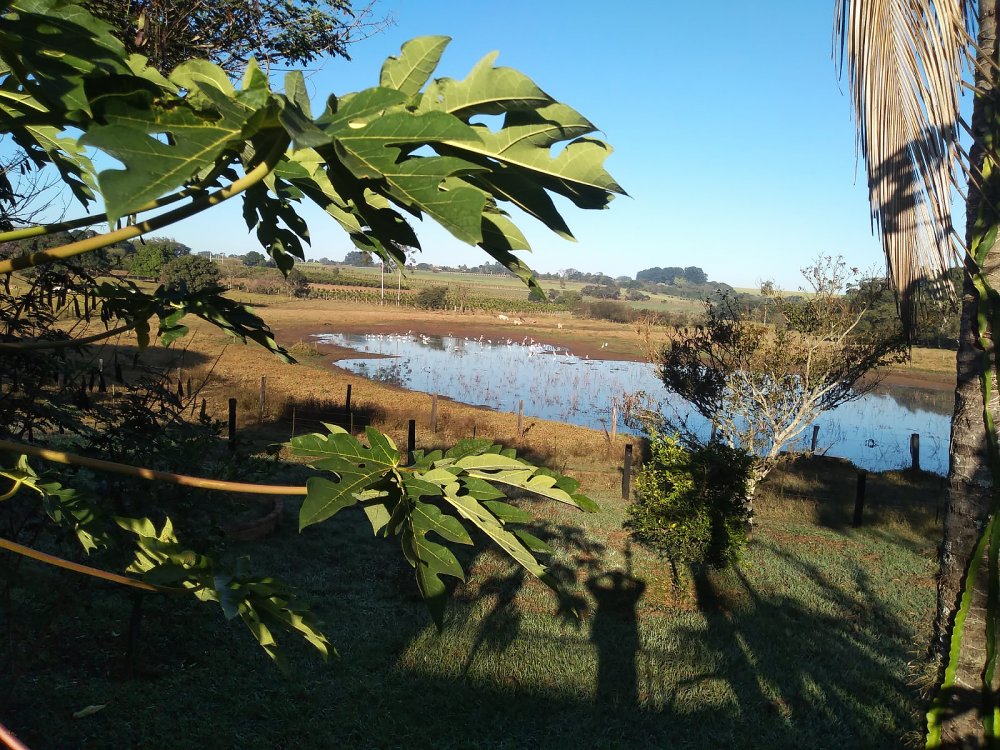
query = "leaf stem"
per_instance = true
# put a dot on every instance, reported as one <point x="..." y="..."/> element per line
<point x="25" y="233"/>
<point x="150" y="474"/>
<point x="90" y="244"/>
<point x="64" y="343"/>
<point x="60" y="562"/>
<point x="7" y="738"/>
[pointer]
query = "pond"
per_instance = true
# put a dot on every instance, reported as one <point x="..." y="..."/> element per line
<point x="872" y="432"/>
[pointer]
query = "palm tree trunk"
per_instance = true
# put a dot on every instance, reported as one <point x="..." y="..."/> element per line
<point x="970" y="486"/>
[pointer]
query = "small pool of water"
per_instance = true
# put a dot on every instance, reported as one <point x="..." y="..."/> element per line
<point x="872" y="432"/>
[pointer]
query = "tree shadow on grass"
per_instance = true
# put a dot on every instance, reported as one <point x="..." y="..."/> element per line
<point x="751" y="668"/>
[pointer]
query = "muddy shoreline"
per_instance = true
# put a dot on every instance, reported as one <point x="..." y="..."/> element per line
<point x="291" y="332"/>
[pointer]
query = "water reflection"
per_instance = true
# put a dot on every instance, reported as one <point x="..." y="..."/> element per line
<point x="873" y="432"/>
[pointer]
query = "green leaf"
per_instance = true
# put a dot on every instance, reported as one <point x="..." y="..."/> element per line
<point x="489" y="461"/>
<point x="485" y="91"/>
<point x="52" y="46"/>
<point x="480" y="488"/>
<point x="427" y="518"/>
<point x="532" y="542"/>
<point x="508" y="513"/>
<point x="325" y="498"/>
<point x="418" y="59"/>
<point x="358" y="468"/>
<point x="471" y="510"/>
<point x="198" y="135"/>
<point x="469" y="447"/>
<point x="525" y="142"/>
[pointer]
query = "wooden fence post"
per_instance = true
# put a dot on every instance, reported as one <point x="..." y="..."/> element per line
<point x="627" y="472"/>
<point x="434" y="413"/>
<point x="232" y="423"/>
<point x="411" y="440"/>
<point x="815" y="438"/>
<point x="293" y="420"/>
<point x="520" y="418"/>
<point x="347" y="400"/>
<point x="915" y="451"/>
<point x="614" y="420"/>
<point x="262" y="399"/>
<point x="859" y="499"/>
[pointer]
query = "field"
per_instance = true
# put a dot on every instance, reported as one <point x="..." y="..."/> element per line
<point x="817" y="639"/>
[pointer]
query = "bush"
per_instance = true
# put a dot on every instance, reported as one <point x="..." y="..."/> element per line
<point x="432" y="297"/>
<point x="537" y="295"/>
<point x="690" y="503"/>
<point x="192" y="271"/>
<point x="297" y="283"/>
<point x="600" y="291"/>
<point x="616" y="312"/>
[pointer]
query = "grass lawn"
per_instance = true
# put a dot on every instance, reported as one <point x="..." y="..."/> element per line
<point x="812" y="641"/>
<point x="816" y="640"/>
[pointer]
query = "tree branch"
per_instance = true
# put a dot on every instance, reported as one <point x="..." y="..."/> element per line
<point x="64" y="343"/>
<point x="150" y="474"/>
<point x="87" y="570"/>
<point x="90" y="244"/>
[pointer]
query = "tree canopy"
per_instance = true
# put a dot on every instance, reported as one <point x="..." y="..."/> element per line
<point x="230" y="32"/>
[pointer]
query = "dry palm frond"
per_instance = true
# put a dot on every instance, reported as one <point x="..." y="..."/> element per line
<point x="905" y="63"/>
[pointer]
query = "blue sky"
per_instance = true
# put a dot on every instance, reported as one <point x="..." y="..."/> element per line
<point x="731" y="133"/>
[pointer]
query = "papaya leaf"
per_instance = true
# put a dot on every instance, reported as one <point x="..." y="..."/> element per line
<point x="357" y="468"/>
<point x="525" y="142"/>
<point x="470" y="509"/>
<point x="76" y="510"/>
<point x="152" y="167"/>
<point x="418" y="59"/>
<point x="326" y="498"/>
<point x="485" y="91"/>
<point x="426" y="518"/>
<point x="507" y="513"/>
<point x="532" y="542"/>
<point x="489" y="461"/>
<point x="469" y="447"/>
<point x="264" y="604"/>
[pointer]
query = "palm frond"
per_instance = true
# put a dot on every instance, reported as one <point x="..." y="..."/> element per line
<point x="905" y="61"/>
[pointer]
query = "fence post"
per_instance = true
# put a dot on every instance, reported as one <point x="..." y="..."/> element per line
<point x="232" y="423"/>
<point x="347" y="401"/>
<point x="627" y="472"/>
<point x="434" y="413"/>
<point x="915" y="451"/>
<point x="520" y="418"/>
<point x="715" y="429"/>
<point x="411" y="440"/>
<point x="815" y="438"/>
<point x="859" y="499"/>
<point x="293" y="420"/>
<point x="614" y="420"/>
<point x="263" y="398"/>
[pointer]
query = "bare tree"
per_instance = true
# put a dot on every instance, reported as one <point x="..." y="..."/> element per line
<point x="761" y="384"/>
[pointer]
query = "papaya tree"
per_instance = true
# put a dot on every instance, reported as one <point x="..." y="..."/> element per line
<point x="187" y="139"/>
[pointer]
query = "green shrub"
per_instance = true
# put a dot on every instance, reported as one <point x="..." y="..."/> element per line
<point x="192" y="271"/>
<point x="432" y="297"/>
<point x="616" y="312"/>
<point x="537" y="295"/>
<point x="689" y="504"/>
